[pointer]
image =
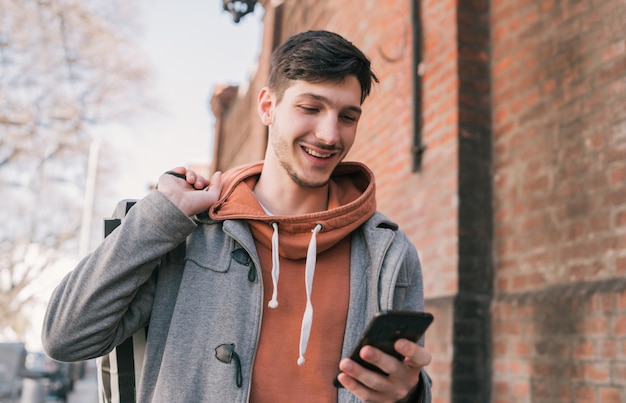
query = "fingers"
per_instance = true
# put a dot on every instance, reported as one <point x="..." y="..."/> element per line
<point x="195" y="180"/>
<point x="369" y="386"/>
<point x="190" y="176"/>
<point x="402" y="376"/>
<point x="181" y="186"/>
<point x="215" y="185"/>
<point x="415" y="355"/>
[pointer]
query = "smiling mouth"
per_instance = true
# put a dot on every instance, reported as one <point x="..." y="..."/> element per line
<point x="316" y="154"/>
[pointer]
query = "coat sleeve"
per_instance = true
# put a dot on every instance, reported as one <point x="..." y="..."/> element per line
<point x="414" y="300"/>
<point x="409" y="285"/>
<point x="108" y="296"/>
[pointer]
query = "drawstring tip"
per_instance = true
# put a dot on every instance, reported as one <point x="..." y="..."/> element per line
<point x="273" y="304"/>
<point x="301" y="361"/>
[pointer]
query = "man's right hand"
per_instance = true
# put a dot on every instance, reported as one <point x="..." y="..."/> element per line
<point x="192" y="195"/>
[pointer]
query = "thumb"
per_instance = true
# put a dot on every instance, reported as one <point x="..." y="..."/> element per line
<point x="215" y="188"/>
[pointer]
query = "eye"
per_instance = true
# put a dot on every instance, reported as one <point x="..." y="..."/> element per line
<point x="348" y="118"/>
<point x="308" y="109"/>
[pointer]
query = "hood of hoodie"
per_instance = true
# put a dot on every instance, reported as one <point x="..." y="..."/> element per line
<point x="351" y="202"/>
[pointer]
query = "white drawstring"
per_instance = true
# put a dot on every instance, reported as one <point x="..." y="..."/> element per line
<point x="307" y="319"/>
<point x="275" y="267"/>
<point x="309" y="272"/>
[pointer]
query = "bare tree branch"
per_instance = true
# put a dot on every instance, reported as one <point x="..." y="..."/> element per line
<point x="66" y="67"/>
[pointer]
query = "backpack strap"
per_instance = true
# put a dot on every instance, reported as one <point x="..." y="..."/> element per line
<point x="119" y="371"/>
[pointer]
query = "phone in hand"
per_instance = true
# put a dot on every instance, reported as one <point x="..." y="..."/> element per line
<point x="385" y="328"/>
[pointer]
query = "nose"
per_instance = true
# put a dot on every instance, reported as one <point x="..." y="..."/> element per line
<point x="328" y="130"/>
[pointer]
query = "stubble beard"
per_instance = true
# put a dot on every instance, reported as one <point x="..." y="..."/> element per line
<point x="299" y="181"/>
<point x="281" y="148"/>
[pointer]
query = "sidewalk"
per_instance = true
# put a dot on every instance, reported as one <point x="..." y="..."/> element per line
<point x="85" y="389"/>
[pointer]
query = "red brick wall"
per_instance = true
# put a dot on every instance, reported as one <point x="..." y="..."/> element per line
<point x="559" y="107"/>
<point x="563" y="345"/>
<point x="560" y="153"/>
<point x="558" y="85"/>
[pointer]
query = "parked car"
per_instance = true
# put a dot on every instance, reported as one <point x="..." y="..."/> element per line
<point x="56" y="375"/>
<point x="12" y="364"/>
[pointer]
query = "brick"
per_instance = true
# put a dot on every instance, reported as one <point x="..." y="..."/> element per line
<point x="613" y="51"/>
<point x="595" y="325"/>
<point x="620" y="219"/>
<point x="619" y="373"/>
<point x="584" y="394"/>
<point x="597" y="372"/>
<point x="522" y="349"/>
<point x="603" y="303"/>
<point x="564" y="393"/>
<point x="501" y="388"/>
<point x="599" y="223"/>
<point x="608" y="349"/>
<point x="546" y="5"/>
<point x="583" y="350"/>
<point x="611" y="71"/>
<point x="499" y="348"/>
<point x="500" y="366"/>
<point x="540" y="389"/>
<point x="611" y="395"/>
<point x="521" y="390"/>
<point x="619" y="326"/>
<point x="621" y="296"/>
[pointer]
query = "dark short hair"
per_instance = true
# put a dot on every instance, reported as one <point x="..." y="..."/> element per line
<point x="317" y="56"/>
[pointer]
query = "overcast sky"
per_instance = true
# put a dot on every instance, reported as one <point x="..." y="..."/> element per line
<point x="192" y="45"/>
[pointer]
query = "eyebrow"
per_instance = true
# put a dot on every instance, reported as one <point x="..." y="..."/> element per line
<point x="327" y="101"/>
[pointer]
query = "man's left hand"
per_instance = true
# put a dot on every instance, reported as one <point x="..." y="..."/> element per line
<point x="374" y="387"/>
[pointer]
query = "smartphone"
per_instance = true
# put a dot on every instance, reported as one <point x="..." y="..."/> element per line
<point x="385" y="328"/>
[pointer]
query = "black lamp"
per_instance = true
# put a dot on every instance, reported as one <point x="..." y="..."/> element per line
<point x="239" y="8"/>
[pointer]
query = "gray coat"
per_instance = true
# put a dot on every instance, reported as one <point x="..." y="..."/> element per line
<point x="207" y="297"/>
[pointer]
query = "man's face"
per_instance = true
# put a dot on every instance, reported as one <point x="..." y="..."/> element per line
<point x="312" y="128"/>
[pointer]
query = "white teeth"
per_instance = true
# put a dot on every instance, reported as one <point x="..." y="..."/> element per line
<point x="316" y="154"/>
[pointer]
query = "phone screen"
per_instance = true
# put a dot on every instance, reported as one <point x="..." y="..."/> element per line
<point x="385" y="329"/>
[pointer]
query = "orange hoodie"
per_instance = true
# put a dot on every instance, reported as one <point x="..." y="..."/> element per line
<point x="305" y="263"/>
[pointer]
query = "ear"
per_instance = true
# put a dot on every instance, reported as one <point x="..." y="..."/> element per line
<point x="264" y="106"/>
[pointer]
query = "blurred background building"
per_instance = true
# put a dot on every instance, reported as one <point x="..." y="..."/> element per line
<point x="498" y="139"/>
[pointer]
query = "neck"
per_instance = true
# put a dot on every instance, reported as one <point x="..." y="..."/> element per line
<point x="290" y="199"/>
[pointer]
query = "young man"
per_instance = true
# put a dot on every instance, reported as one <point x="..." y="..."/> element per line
<point x="265" y="244"/>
